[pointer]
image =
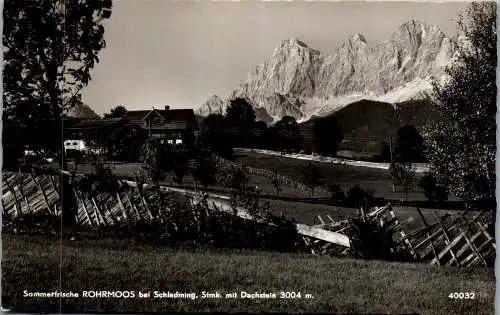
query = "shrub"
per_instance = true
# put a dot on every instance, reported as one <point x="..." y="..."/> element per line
<point x="180" y="167"/>
<point x="433" y="191"/>
<point x="234" y="177"/>
<point x="357" y="197"/>
<point x="266" y="231"/>
<point x="205" y="171"/>
<point x="372" y="241"/>
<point x="336" y="193"/>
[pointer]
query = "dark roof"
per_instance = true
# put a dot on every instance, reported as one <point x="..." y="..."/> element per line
<point x="171" y="116"/>
<point x="179" y="115"/>
<point x="93" y="123"/>
<point x="136" y="116"/>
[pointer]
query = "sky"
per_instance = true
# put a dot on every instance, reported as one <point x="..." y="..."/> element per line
<point x="180" y="53"/>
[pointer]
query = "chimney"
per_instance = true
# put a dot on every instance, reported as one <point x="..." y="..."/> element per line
<point x="167" y="107"/>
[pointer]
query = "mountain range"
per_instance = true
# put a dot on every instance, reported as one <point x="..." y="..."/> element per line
<point x="301" y="82"/>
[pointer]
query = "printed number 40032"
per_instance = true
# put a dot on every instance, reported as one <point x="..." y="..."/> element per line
<point x="462" y="295"/>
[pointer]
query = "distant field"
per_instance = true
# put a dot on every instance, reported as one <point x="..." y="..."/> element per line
<point x="305" y="212"/>
<point x="264" y="183"/>
<point x="376" y="180"/>
<point x="337" y="285"/>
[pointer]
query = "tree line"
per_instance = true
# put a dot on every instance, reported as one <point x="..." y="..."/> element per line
<point x="238" y="127"/>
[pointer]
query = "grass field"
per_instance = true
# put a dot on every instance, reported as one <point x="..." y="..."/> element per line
<point x="337" y="285"/>
<point x="264" y="183"/>
<point x="376" y="180"/>
<point x="303" y="212"/>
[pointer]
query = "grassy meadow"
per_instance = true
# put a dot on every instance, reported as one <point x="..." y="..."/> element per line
<point x="264" y="183"/>
<point x="375" y="180"/>
<point x="37" y="263"/>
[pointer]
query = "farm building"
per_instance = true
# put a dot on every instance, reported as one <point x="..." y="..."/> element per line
<point x="177" y="126"/>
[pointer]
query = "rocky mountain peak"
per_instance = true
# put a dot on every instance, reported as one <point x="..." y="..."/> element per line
<point x="358" y="38"/>
<point x="298" y="80"/>
<point x="293" y="42"/>
<point x="417" y="32"/>
<point x="415" y="26"/>
<point x="292" y="46"/>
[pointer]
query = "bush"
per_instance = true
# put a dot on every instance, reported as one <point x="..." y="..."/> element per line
<point x="180" y="167"/>
<point x="433" y="191"/>
<point x="205" y="171"/>
<point x="372" y="241"/>
<point x="357" y="197"/>
<point x="337" y="193"/>
<point x="267" y="232"/>
<point x="235" y="178"/>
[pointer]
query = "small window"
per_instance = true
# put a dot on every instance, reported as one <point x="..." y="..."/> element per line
<point x="170" y="141"/>
<point x="178" y="141"/>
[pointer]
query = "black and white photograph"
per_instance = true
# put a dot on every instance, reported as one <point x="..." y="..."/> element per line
<point x="163" y="156"/>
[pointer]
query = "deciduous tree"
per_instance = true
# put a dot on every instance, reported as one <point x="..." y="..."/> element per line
<point x="327" y="135"/>
<point x="463" y="140"/>
<point x="409" y="145"/>
<point x="311" y="176"/>
<point x="215" y="135"/>
<point x="403" y="175"/>
<point x="240" y="113"/>
<point x="117" y="112"/>
<point x="288" y="134"/>
<point x="277" y="181"/>
<point x="240" y="121"/>
<point x="50" y="47"/>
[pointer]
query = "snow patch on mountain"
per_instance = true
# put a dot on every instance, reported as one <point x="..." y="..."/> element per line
<point x="301" y="82"/>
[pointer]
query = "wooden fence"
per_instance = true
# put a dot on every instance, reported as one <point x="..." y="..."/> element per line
<point x="28" y="193"/>
<point x="451" y="240"/>
<point x="129" y="204"/>
<point x="25" y="193"/>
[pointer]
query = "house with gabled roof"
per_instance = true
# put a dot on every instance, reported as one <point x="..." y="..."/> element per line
<point x="176" y="126"/>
